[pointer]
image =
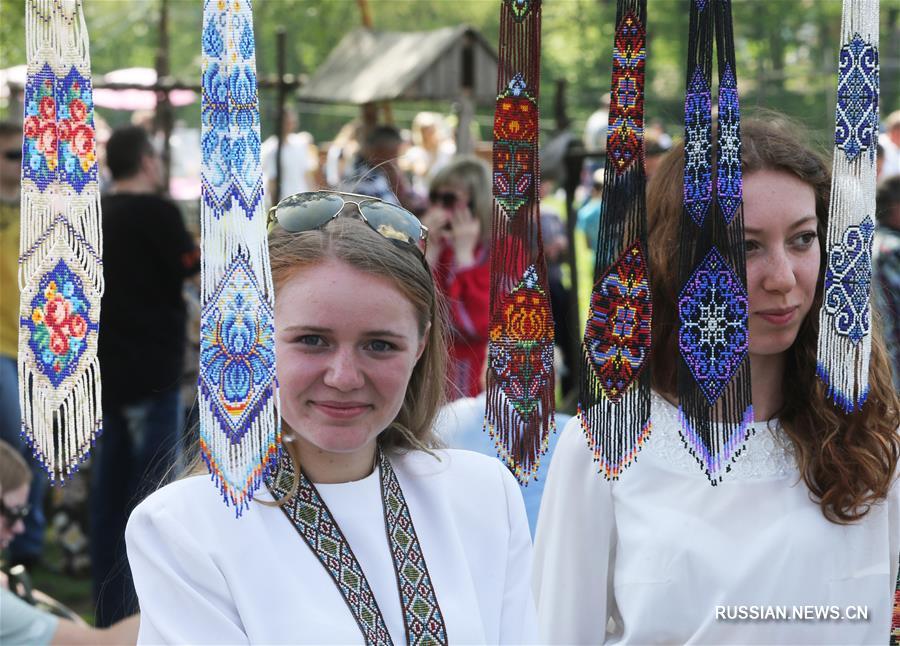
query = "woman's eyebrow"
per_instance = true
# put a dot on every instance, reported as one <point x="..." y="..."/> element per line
<point x="798" y="223"/>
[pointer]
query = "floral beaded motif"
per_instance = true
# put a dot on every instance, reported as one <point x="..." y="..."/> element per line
<point x="237" y="361"/>
<point x="515" y="145"/>
<point x="59" y="323"/>
<point x="520" y="349"/>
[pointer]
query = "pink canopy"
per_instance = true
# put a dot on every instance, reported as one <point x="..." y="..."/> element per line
<point x="135" y="99"/>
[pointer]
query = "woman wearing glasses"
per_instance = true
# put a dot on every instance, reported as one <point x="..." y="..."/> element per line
<point x="459" y="218"/>
<point x="20" y="622"/>
<point x="367" y="532"/>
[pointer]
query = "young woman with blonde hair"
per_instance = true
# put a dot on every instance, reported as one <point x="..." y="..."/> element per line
<point x="368" y="531"/>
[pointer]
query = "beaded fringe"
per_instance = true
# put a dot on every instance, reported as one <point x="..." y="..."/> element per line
<point x="845" y="341"/>
<point x="60" y="266"/>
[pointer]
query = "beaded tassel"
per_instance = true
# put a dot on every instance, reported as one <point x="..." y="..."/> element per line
<point x="614" y="402"/>
<point x="845" y="341"/>
<point x="240" y="424"/>
<point x="714" y="369"/>
<point x="60" y="265"/>
<point x="520" y="375"/>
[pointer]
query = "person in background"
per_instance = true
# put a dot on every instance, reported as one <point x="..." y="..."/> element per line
<point x="890" y="141"/>
<point x="886" y="267"/>
<point x="376" y="171"/>
<point x="589" y="213"/>
<point x="432" y="149"/>
<point x="21" y="623"/>
<point x="28" y="544"/>
<point x="299" y="159"/>
<point x="147" y="255"/>
<point x="459" y="221"/>
<point x="556" y="248"/>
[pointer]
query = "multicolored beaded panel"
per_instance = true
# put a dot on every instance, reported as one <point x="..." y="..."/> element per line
<point x="844" y="345"/>
<point x="61" y="271"/>
<point x="614" y="396"/>
<point x="713" y="341"/>
<point x="240" y="427"/>
<point x="312" y="519"/>
<point x="520" y="378"/>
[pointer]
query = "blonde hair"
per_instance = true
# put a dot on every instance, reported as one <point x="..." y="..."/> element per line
<point x="14" y="471"/>
<point x="475" y="176"/>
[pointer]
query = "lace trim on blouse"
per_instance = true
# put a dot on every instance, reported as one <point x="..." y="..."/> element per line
<point x="767" y="453"/>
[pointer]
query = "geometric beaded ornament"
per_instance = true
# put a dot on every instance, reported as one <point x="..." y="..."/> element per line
<point x="60" y="266"/>
<point x="614" y="396"/>
<point x="520" y="378"/>
<point x="845" y="341"/>
<point x="713" y="368"/>
<point x="240" y="424"/>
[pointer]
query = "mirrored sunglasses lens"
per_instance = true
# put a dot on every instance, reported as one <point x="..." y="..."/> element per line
<point x="392" y="221"/>
<point x="308" y="211"/>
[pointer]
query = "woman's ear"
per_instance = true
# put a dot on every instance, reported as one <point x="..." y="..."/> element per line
<point x="423" y="342"/>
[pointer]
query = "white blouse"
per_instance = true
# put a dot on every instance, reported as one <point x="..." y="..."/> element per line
<point x="648" y="558"/>
<point x="203" y="576"/>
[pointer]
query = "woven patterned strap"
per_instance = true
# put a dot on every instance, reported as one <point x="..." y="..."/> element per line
<point x="614" y="401"/>
<point x="520" y="375"/>
<point x="311" y="517"/>
<point x="845" y="340"/>
<point x="60" y="268"/>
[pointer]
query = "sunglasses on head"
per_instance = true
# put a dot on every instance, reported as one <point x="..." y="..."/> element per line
<point x="13" y="514"/>
<point x="13" y="155"/>
<point x="313" y="210"/>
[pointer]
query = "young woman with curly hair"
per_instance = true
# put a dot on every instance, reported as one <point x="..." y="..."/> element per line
<point x="808" y="516"/>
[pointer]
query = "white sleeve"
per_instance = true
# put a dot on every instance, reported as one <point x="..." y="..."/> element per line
<point x="574" y="546"/>
<point x="518" y="623"/>
<point x="183" y="595"/>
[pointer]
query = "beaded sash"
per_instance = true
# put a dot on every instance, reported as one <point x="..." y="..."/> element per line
<point x="713" y="339"/>
<point x="60" y="265"/>
<point x="614" y="400"/>
<point x="312" y="519"/>
<point x="845" y="339"/>
<point x="240" y="427"/>
<point x="520" y="375"/>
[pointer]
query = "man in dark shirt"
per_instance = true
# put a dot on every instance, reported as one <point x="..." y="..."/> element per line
<point x="147" y="254"/>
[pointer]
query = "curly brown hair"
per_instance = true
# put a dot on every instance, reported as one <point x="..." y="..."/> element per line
<point x="848" y="462"/>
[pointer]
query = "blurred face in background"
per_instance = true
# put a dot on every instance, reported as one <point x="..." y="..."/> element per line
<point x="13" y="508"/>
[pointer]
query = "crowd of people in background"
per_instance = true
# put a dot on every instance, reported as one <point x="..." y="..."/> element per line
<point x="151" y="260"/>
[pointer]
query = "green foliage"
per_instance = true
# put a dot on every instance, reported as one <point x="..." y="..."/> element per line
<point x="786" y="49"/>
